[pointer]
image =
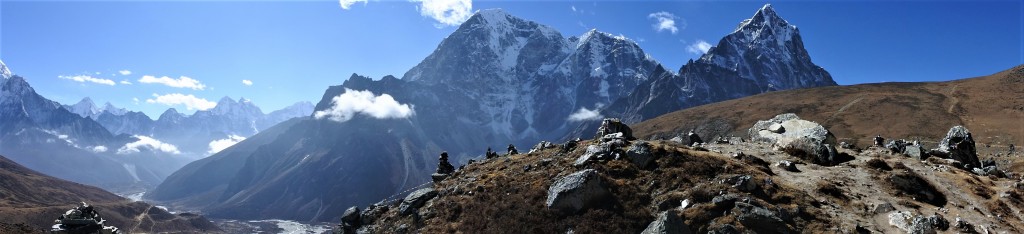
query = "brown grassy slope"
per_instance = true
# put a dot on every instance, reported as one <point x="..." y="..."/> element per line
<point x="29" y="199"/>
<point x="503" y="196"/>
<point x="992" y="107"/>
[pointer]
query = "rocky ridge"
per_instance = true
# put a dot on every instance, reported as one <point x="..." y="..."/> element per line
<point x="725" y="186"/>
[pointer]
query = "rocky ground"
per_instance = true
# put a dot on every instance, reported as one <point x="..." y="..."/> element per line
<point x="732" y="186"/>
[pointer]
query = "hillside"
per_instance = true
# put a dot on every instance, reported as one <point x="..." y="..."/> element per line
<point x="30" y="201"/>
<point x="991" y="106"/>
<point x="714" y="188"/>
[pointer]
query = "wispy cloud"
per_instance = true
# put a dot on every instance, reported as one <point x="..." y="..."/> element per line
<point x="181" y="82"/>
<point x="98" y="149"/>
<point x="345" y="106"/>
<point x="446" y="12"/>
<point x="125" y="82"/>
<point x="218" y="145"/>
<point x="87" y="78"/>
<point x="189" y="101"/>
<point x="145" y="142"/>
<point x="664" y="21"/>
<point x="346" y="4"/>
<point x="698" y="47"/>
<point x="585" y="114"/>
<point x="135" y="100"/>
<point x="247" y="82"/>
<point x="124" y="72"/>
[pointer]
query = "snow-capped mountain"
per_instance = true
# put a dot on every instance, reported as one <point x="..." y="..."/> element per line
<point x="764" y="53"/>
<point x="43" y="135"/>
<point x="192" y="134"/>
<point x="5" y="73"/>
<point x="497" y="79"/>
<point x="87" y="108"/>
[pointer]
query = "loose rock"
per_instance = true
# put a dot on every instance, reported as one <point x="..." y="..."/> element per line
<point x="959" y="144"/>
<point x="666" y="223"/>
<point x="415" y="200"/>
<point x="577" y="191"/>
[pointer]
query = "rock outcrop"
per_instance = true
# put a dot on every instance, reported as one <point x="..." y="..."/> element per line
<point x="415" y="200"/>
<point x="797" y="137"/>
<point x="959" y="144"/>
<point x="577" y="191"/>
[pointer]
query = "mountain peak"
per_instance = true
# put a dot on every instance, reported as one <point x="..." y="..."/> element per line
<point x="225" y="100"/>
<point x="5" y="73"/>
<point x="766" y="17"/>
<point x="86" y="101"/>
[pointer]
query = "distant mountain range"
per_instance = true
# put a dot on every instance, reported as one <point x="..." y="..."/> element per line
<point x="497" y="79"/>
<point x="192" y="134"/>
<point x="114" y="148"/>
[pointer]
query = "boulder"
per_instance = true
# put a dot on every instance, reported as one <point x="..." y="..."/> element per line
<point x="742" y="182"/>
<point x="959" y="144"/>
<point x="915" y="152"/>
<point x="918" y="224"/>
<point x="801" y="137"/>
<point x="351" y="217"/>
<point x="372" y="212"/>
<point x="776" y="128"/>
<point x="594" y="152"/>
<point x="415" y="200"/>
<point x="640" y="154"/>
<point x="757" y="218"/>
<point x="667" y="222"/>
<point x="577" y="191"/>
<point x="541" y="146"/>
<point x="614" y="125"/>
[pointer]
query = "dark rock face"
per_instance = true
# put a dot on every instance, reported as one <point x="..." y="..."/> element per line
<point x="764" y="53"/>
<point x="577" y="191"/>
<point x="960" y="146"/>
<point x="668" y="222"/>
<point x="415" y="200"/>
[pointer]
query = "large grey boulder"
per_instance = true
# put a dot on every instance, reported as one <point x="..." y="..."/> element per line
<point x="415" y="200"/>
<point x="959" y="144"/>
<point x="594" y="152"/>
<point x="640" y="154"/>
<point x="757" y="218"/>
<point x="614" y="125"/>
<point x="667" y="223"/>
<point x="918" y="224"/>
<point x="795" y="135"/>
<point x="577" y="191"/>
<point x="351" y="217"/>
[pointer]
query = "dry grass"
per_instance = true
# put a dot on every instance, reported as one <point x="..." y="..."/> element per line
<point x="499" y="196"/>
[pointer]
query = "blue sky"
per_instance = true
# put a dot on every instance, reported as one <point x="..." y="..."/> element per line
<point x="292" y="51"/>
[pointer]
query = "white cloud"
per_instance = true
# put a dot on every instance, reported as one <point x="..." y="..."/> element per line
<point x="664" y="21"/>
<point x="148" y="143"/>
<point x="346" y="4"/>
<point x="218" y="145"/>
<point x="699" y="47"/>
<point x="135" y="100"/>
<point x="125" y="72"/>
<point x="191" y="102"/>
<point x="585" y="114"/>
<point x="181" y="82"/>
<point x="573" y="7"/>
<point x="87" y="78"/>
<point x="99" y="149"/>
<point x="350" y="103"/>
<point x="247" y="82"/>
<point x="446" y="12"/>
<point x="125" y="82"/>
